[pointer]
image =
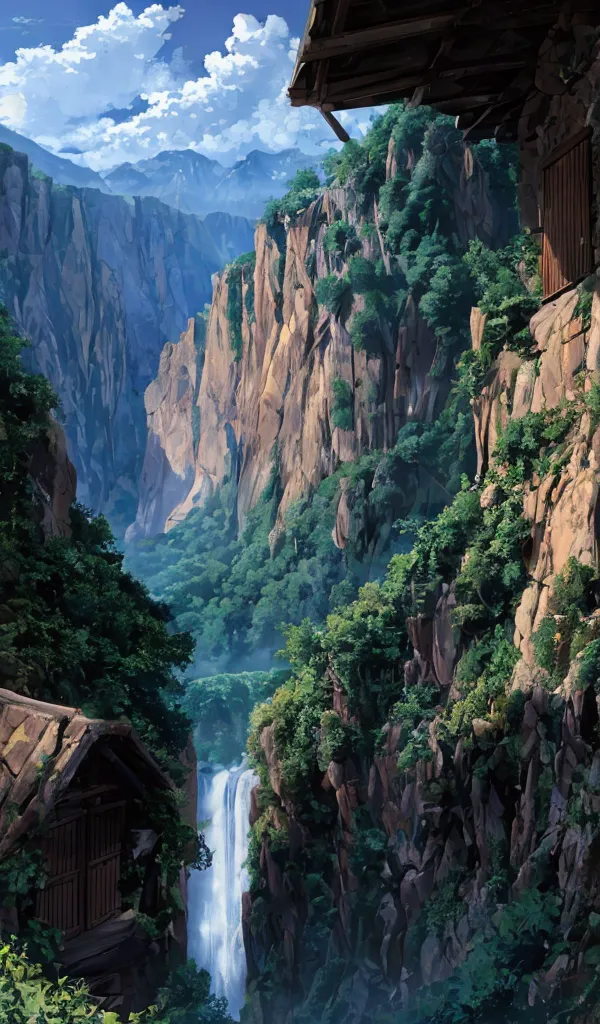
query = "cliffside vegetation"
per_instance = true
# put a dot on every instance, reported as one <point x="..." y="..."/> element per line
<point x="76" y="629"/>
<point x="233" y="590"/>
<point x="431" y="766"/>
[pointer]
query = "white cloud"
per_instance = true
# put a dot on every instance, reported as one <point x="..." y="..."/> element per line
<point x="20" y="20"/>
<point x="59" y="97"/>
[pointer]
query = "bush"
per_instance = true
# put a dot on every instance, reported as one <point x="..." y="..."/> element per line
<point x="365" y="328"/>
<point x="340" y="239"/>
<point x="304" y="189"/>
<point x="342" y="405"/>
<point x="334" y="293"/>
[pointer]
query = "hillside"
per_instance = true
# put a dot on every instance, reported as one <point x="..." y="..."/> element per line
<point x="61" y="170"/>
<point x="381" y="388"/>
<point x="310" y="426"/>
<point x="98" y="284"/>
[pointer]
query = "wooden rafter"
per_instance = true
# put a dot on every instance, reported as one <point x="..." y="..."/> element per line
<point x="355" y="42"/>
<point x="476" y="60"/>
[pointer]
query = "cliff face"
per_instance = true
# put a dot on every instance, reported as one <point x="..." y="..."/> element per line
<point x="97" y="284"/>
<point x="504" y="812"/>
<point x="460" y="882"/>
<point x="268" y="388"/>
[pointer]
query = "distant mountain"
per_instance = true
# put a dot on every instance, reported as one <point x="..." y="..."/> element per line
<point x="250" y="183"/>
<point x="62" y="171"/>
<point x="181" y="178"/>
<point x="193" y="183"/>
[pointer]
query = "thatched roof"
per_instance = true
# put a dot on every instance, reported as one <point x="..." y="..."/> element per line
<point x="42" y="747"/>
<point x="474" y="59"/>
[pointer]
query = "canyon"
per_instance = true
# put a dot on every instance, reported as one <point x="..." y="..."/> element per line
<point x="97" y="284"/>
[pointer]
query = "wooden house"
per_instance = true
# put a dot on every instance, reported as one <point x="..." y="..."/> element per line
<point x="76" y="789"/>
<point x="527" y="72"/>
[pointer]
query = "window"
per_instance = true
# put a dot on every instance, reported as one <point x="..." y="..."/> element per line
<point x="567" y="249"/>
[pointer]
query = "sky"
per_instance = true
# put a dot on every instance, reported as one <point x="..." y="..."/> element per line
<point x="105" y="82"/>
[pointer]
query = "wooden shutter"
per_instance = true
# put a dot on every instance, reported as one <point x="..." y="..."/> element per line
<point x="105" y="840"/>
<point x="567" y="250"/>
<point x="60" y="903"/>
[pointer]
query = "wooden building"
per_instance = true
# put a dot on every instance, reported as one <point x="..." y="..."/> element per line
<point x="77" y="789"/>
<point x="526" y="72"/>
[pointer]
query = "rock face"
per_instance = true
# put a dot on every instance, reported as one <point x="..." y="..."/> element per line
<point x="274" y="399"/>
<point x="97" y="285"/>
<point x="521" y="793"/>
<point x="55" y="480"/>
<point x="170" y="401"/>
<point x="445" y="821"/>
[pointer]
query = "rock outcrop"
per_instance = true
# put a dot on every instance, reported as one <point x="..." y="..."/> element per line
<point x="273" y="400"/>
<point x="522" y="793"/>
<point x="97" y="284"/>
<point x="55" y="481"/>
<point x="172" y="412"/>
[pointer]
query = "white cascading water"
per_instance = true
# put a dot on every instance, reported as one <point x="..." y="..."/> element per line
<point x="215" y="938"/>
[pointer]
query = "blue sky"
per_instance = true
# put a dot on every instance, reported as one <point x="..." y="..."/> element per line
<point x="108" y="82"/>
<point x="206" y="25"/>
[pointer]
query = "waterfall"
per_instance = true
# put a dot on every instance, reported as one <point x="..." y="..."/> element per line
<point x="215" y="939"/>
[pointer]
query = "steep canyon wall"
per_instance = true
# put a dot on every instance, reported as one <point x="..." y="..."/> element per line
<point x="267" y="391"/>
<point x="422" y="879"/>
<point x="97" y="284"/>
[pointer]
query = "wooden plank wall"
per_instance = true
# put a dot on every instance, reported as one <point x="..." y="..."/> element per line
<point x="567" y="246"/>
<point x="83" y="857"/>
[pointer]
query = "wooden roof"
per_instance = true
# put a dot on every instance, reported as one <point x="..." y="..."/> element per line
<point x="41" y="748"/>
<point x="474" y="59"/>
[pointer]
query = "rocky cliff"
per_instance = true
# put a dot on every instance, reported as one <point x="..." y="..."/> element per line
<point x="284" y="382"/>
<point x="472" y="840"/>
<point x="98" y="284"/>
<point x="426" y="832"/>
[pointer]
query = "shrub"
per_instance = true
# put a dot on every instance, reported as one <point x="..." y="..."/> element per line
<point x="304" y="189"/>
<point x="340" y="239"/>
<point x="333" y="740"/>
<point x="333" y="292"/>
<point x="342" y="405"/>
<point x="365" y="328"/>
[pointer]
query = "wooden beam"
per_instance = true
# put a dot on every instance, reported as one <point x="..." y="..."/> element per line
<point x="386" y="81"/>
<point x="347" y="43"/>
<point x="334" y="124"/>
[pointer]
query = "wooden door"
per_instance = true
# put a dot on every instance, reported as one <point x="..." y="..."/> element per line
<point x="103" y="871"/>
<point x="61" y="903"/>
<point x="567" y="215"/>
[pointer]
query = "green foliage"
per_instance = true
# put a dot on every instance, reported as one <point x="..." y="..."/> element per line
<point x="76" y="629"/>
<point x="219" y="707"/>
<point x="334" y="293"/>
<point x="522" y="439"/>
<point x="366" y="332"/>
<point x="497" y="965"/>
<point x="304" y="189"/>
<point x="28" y="997"/>
<point x="342" y="404"/>
<point x="235" y="310"/>
<point x="567" y="606"/>
<point x="444" y="905"/>
<point x="333" y="740"/>
<point x="231" y="592"/>
<point x="340" y="239"/>
<point x="501" y="293"/>
<point x="187" y="999"/>
<point x="585" y="299"/>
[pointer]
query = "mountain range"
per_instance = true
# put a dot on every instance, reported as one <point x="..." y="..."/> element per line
<point x="183" y="179"/>
<point x="193" y="183"/>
